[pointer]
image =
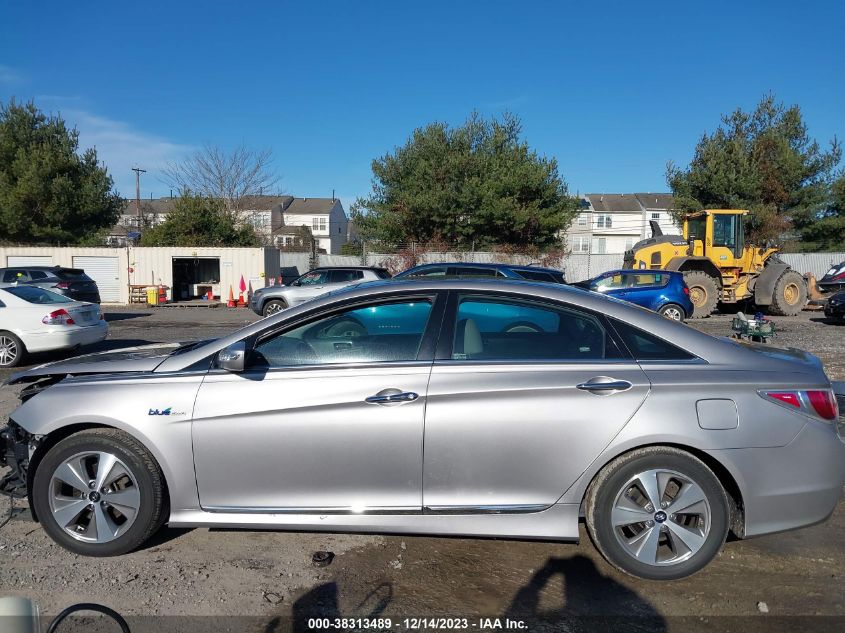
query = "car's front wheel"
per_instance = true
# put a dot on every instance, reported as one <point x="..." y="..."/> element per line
<point x="658" y="513"/>
<point x="273" y="307"/>
<point x="99" y="492"/>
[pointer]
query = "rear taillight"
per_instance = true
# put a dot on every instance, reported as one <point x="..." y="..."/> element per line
<point x="824" y="403"/>
<point x="63" y="285"/>
<point x="686" y="291"/>
<point x="58" y="317"/>
<point x="820" y="403"/>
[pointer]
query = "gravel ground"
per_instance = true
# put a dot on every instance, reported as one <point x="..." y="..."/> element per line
<point x="270" y="574"/>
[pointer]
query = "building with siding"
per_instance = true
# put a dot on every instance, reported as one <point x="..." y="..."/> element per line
<point x="613" y="222"/>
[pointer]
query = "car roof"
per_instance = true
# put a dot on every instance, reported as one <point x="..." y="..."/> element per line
<point x="707" y="347"/>
<point x="639" y="271"/>
<point x="491" y="265"/>
<point x="348" y="268"/>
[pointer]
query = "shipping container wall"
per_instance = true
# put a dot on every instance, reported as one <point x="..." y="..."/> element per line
<point x="116" y="290"/>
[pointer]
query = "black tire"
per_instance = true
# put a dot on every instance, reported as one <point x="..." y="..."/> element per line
<point x="152" y="511"/>
<point x="12" y="350"/>
<point x="615" y="478"/>
<point x="790" y="294"/>
<point x="673" y="311"/>
<point x="274" y="306"/>
<point x="704" y="293"/>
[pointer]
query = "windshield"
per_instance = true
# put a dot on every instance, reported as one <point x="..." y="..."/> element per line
<point x="39" y="296"/>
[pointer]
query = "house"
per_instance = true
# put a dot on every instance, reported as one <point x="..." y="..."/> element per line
<point x="325" y="218"/>
<point x="276" y="219"/>
<point x="614" y="222"/>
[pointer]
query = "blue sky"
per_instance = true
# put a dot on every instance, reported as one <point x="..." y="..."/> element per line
<point x="612" y="90"/>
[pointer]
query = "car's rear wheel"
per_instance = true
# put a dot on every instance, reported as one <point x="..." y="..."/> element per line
<point x="658" y="513"/>
<point x="12" y="350"/>
<point x="99" y="493"/>
<point x="672" y="311"/>
<point x="273" y="307"/>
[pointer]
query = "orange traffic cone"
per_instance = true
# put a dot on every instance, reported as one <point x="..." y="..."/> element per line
<point x="241" y="302"/>
<point x="231" y="302"/>
<point x="209" y="295"/>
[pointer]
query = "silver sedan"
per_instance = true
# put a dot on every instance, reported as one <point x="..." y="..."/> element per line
<point x="458" y="407"/>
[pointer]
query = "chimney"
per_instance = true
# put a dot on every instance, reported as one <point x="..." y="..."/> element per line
<point x="332" y="195"/>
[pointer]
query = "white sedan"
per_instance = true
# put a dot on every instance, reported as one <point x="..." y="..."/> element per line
<point x="36" y="320"/>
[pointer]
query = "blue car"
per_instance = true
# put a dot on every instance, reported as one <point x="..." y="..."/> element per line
<point x="500" y="271"/>
<point x="663" y="291"/>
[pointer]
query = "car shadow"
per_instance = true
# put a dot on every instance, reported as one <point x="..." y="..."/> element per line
<point x="322" y="602"/>
<point x="827" y="320"/>
<point x="124" y="316"/>
<point x="589" y="601"/>
<point x="163" y="536"/>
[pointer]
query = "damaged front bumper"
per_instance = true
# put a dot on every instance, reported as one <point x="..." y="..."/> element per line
<point x="16" y="448"/>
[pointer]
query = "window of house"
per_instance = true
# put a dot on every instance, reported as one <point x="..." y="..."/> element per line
<point x="318" y="224"/>
<point x="504" y="329"/>
<point x="374" y="333"/>
<point x="655" y="216"/>
<point x="582" y="219"/>
<point x="599" y="245"/>
<point x="604" y="221"/>
<point x="581" y="244"/>
<point x="629" y="243"/>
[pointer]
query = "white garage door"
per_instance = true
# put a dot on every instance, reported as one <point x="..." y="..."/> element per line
<point x="106" y="272"/>
<point x="29" y="260"/>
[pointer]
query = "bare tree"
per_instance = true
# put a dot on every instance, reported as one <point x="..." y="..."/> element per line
<point x="229" y="176"/>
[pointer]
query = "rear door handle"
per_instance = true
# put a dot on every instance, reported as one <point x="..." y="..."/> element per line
<point x="392" y="396"/>
<point x="604" y="384"/>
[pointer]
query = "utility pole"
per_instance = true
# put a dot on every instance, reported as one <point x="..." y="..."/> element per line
<point x="138" y="171"/>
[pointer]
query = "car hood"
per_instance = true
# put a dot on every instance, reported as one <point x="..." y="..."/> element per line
<point x="128" y="359"/>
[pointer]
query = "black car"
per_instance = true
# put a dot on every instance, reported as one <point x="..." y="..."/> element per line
<point x="834" y="279"/>
<point x="70" y="282"/>
<point x="502" y="271"/>
<point x="834" y="308"/>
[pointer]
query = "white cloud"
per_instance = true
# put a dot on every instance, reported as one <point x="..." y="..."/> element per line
<point x="9" y="75"/>
<point x="121" y="147"/>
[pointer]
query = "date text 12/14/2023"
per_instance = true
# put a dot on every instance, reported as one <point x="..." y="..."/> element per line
<point x="418" y="624"/>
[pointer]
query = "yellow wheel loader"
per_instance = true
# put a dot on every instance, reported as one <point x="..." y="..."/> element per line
<point x="719" y="267"/>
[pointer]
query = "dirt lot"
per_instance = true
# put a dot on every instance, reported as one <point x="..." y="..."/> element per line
<point x="270" y="575"/>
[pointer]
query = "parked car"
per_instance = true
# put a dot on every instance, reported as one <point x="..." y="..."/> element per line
<point x="537" y="404"/>
<point x="834" y="279"/>
<point x="834" y="307"/>
<point x="70" y="282"/>
<point x="501" y="271"/>
<point x="661" y="291"/>
<point x="272" y="299"/>
<point x="33" y="320"/>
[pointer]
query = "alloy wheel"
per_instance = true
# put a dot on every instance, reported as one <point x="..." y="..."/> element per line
<point x="273" y="308"/>
<point x="673" y="313"/>
<point x="94" y="497"/>
<point x="8" y="351"/>
<point x="661" y="517"/>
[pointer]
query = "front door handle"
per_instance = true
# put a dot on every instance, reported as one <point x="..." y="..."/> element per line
<point x="603" y="384"/>
<point x="392" y="396"/>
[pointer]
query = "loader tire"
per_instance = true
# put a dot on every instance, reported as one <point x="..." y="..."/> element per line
<point x="790" y="295"/>
<point x="703" y="292"/>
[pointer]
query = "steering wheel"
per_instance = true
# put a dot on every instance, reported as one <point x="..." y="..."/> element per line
<point x="521" y="326"/>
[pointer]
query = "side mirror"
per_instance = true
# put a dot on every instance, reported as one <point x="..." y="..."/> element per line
<point x="233" y="357"/>
<point x="296" y="283"/>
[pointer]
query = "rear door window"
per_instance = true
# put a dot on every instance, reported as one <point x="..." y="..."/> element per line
<point x="37" y="275"/>
<point x="434" y="271"/>
<point x="71" y="274"/>
<point x="344" y="276"/>
<point x="12" y="275"/>
<point x="646" y="346"/>
<point x="504" y="329"/>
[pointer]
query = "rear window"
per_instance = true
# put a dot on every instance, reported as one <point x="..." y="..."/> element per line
<point x="33" y="294"/>
<point x="342" y="276"/>
<point x="536" y="275"/>
<point x="381" y="273"/>
<point x="469" y="271"/>
<point x="646" y="346"/>
<point x="71" y="274"/>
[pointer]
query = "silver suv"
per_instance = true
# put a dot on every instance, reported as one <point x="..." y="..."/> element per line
<point x="273" y="299"/>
